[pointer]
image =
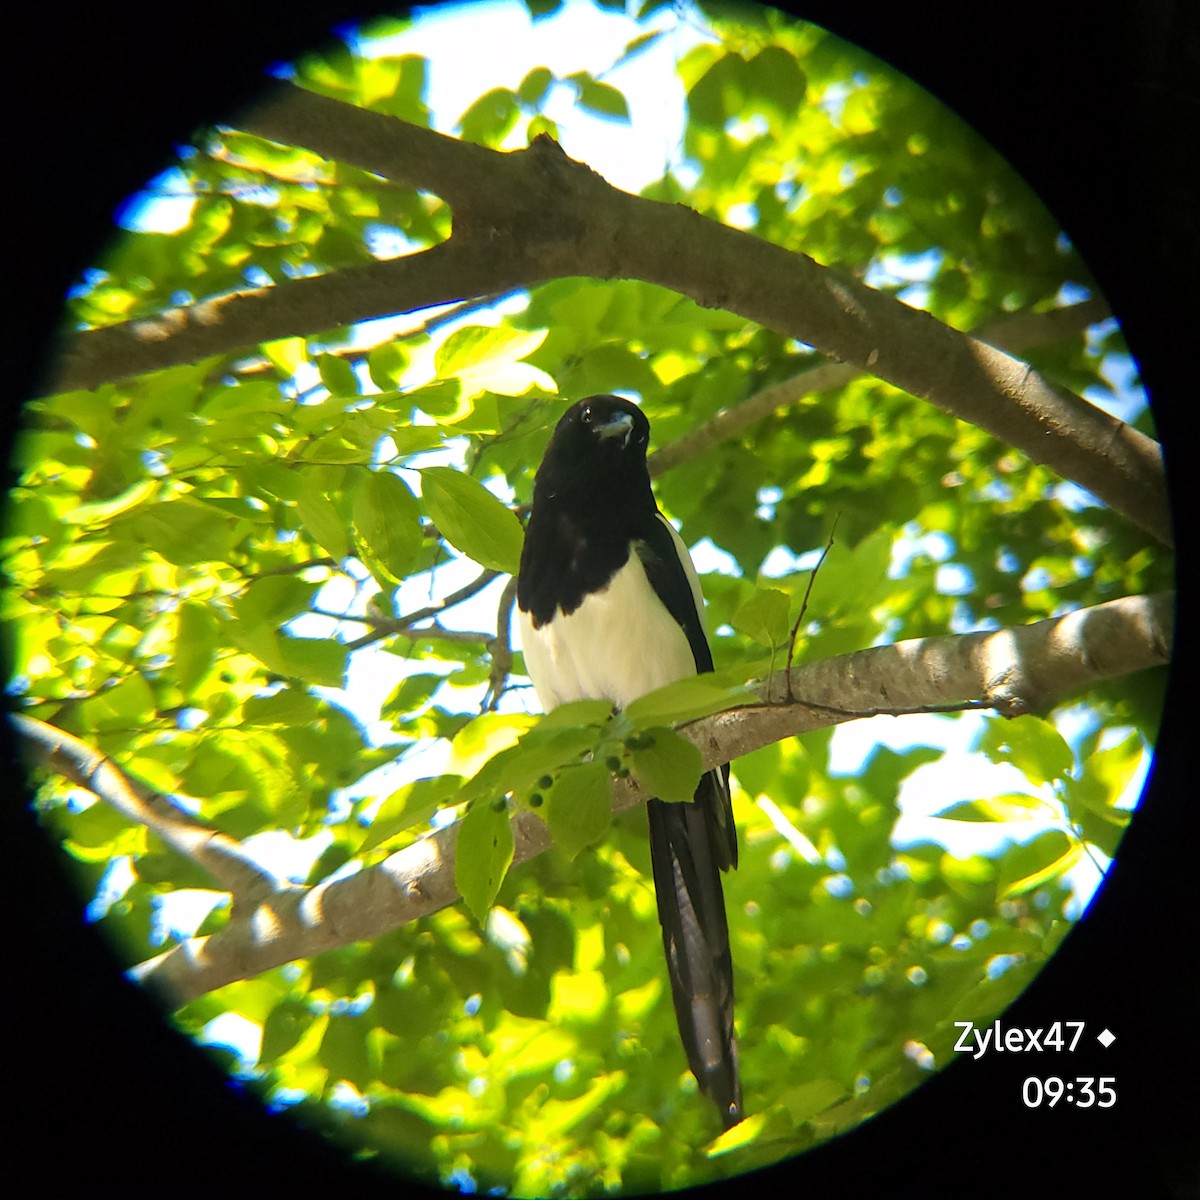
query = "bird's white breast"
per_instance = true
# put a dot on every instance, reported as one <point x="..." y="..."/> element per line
<point x="619" y="644"/>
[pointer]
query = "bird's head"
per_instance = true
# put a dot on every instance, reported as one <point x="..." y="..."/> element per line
<point x="611" y="419"/>
<point x="598" y="448"/>
<point x="604" y="425"/>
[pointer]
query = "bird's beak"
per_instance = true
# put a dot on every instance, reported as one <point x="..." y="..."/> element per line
<point x="620" y="426"/>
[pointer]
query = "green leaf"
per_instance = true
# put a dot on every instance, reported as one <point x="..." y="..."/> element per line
<point x="276" y="479"/>
<point x="804" y="1102"/>
<point x="483" y="853"/>
<point x="262" y="611"/>
<point x="490" y="119"/>
<point x="283" y="1028"/>
<point x="409" y="806"/>
<point x="764" y="772"/>
<point x="601" y="98"/>
<point x="774" y="77"/>
<point x="640" y="44"/>
<point x="471" y="519"/>
<point x="1105" y="832"/>
<point x="287" y="706"/>
<point x="534" y="86"/>
<point x="1031" y="744"/>
<point x="484" y="736"/>
<point x="97" y="826"/>
<point x="441" y="399"/>
<point x="1024" y="868"/>
<point x="764" y="617"/>
<point x="666" y="764"/>
<point x="578" y="810"/>
<point x="411" y="693"/>
<point x="415" y="439"/>
<point x="472" y="345"/>
<point x="1111" y="771"/>
<point x="344" y="1052"/>
<point x="270" y="602"/>
<point x="128" y="705"/>
<point x="321" y="520"/>
<point x="286" y="355"/>
<point x="184" y="530"/>
<point x="687" y="700"/>
<point x="337" y="375"/>
<point x="386" y="364"/>
<point x="343" y="445"/>
<point x="319" y="661"/>
<point x="1013" y="806"/>
<point x="196" y="641"/>
<point x="539" y="125"/>
<point x="542" y="8"/>
<point x="100" y="512"/>
<point x="720" y="93"/>
<point x="1095" y="800"/>
<point x="388" y="520"/>
<point x="742" y="1135"/>
<point x="850" y="580"/>
<point x="539" y="753"/>
<point x="577" y="713"/>
<point x="485" y="358"/>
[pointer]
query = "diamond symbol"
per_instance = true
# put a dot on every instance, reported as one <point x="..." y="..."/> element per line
<point x="1105" y="1038"/>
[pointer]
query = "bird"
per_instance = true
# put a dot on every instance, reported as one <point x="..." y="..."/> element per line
<point x="609" y="606"/>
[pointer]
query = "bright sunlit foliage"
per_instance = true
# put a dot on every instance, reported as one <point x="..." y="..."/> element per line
<point x="272" y="584"/>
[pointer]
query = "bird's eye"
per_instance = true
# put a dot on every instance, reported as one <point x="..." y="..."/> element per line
<point x="586" y="414"/>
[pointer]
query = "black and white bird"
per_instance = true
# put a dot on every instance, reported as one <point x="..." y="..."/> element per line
<point x="609" y="607"/>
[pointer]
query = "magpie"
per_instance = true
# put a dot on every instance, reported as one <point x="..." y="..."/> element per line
<point x="609" y="607"/>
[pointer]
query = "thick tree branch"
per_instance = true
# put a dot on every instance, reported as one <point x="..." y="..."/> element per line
<point x="1013" y="671"/>
<point x="1017" y="333"/>
<point x="1016" y="671"/>
<point x="525" y="217"/>
<point x="226" y="324"/>
<point x="221" y="856"/>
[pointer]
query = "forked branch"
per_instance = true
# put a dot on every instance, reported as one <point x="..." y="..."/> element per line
<point x="532" y="215"/>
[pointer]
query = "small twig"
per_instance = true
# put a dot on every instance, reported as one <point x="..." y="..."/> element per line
<point x="812" y="576"/>
<point x="464" y="593"/>
<point x="478" y="637"/>
<point x="369" y="639"/>
<point x="288" y="568"/>
<point x="384" y="626"/>
<point x="500" y="647"/>
<point x="907" y="710"/>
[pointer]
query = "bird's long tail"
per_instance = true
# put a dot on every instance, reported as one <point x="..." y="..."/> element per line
<point x="690" y="843"/>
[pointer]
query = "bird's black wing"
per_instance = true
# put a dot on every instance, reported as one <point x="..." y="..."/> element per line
<point x="690" y="844"/>
<point x="669" y="570"/>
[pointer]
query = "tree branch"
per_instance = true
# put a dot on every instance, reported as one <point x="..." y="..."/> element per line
<point x="500" y="648"/>
<point x="1020" y="332"/>
<point x="525" y="217"/>
<point x="1017" y="671"/>
<point x="237" y="322"/>
<point x="1014" y="671"/>
<point x="221" y="856"/>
